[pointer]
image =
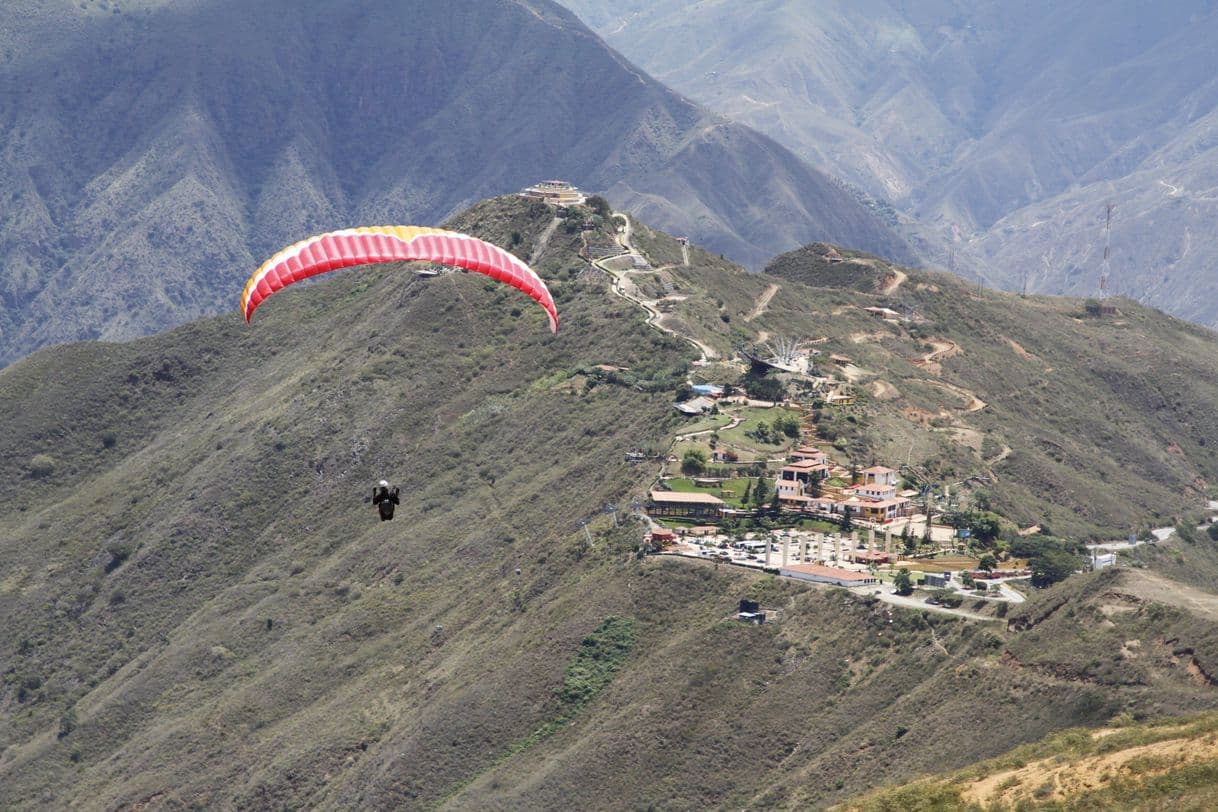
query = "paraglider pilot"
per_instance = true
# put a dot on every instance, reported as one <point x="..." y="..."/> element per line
<point x="385" y="499"/>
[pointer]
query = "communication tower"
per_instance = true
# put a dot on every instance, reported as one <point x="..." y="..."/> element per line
<point x="1105" y="268"/>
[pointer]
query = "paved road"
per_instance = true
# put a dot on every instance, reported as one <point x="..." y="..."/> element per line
<point x="1160" y="534"/>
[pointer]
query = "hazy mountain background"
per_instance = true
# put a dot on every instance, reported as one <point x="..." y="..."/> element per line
<point x="154" y="153"/>
<point x="1004" y="127"/>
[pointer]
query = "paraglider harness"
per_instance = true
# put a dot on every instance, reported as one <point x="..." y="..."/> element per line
<point x="385" y="499"/>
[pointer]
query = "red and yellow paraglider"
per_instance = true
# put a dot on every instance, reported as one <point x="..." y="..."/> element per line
<point x="371" y="244"/>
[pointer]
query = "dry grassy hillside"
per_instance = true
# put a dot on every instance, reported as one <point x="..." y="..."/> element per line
<point x="201" y="610"/>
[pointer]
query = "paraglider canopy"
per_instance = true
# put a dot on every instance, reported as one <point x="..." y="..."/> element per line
<point x="371" y="244"/>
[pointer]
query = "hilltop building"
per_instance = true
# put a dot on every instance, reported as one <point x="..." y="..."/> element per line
<point x="819" y="574"/>
<point x="693" y="505"/>
<point x="555" y="193"/>
<point x="874" y="499"/>
<point x="807" y="452"/>
<point x="698" y="405"/>
<point x="884" y="313"/>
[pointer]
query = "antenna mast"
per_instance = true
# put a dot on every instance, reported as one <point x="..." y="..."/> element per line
<point x="1105" y="269"/>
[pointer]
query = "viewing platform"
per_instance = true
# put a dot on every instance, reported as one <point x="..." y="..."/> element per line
<point x="555" y="193"/>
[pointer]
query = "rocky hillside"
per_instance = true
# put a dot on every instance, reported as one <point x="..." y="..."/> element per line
<point x="201" y="608"/>
<point x="154" y="153"/>
<point x="984" y="121"/>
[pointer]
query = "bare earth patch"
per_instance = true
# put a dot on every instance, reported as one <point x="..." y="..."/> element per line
<point x="883" y="390"/>
<point x="1048" y="780"/>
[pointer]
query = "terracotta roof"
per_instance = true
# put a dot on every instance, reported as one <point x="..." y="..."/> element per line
<point x="829" y="572"/>
<point x="887" y="503"/>
<point x="685" y="498"/>
<point x="878" y="469"/>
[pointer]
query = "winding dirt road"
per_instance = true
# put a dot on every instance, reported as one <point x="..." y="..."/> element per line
<point x="763" y="302"/>
<point x="621" y="282"/>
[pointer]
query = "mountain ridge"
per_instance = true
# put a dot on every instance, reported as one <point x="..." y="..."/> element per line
<point x="204" y="137"/>
<point x="972" y="119"/>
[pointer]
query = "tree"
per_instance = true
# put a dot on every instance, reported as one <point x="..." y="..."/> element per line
<point x="693" y="461"/>
<point x="776" y="503"/>
<point x="966" y="578"/>
<point x="763" y="388"/>
<point x="761" y="433"/>
<point x="1052" y="566"/>
<point x="908" y="542"/>
<point x="761" y="493"/>
<point x="847" y="518"/>
<point x="988" y="562"/>
<point x="814" y="484"/>
<point x="903" y="582"/>
<point x="786" y="424"/>
<point x="748" y="490"/>
<point x="984" y="527"/>
<point x="600" y="206"/>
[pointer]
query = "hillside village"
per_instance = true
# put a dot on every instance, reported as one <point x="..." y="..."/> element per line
<point x="747" y="482"/>
<point x="820" y="519"/>
<point x="817" y="519"/>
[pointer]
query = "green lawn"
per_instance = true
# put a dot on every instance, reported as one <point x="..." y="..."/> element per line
<point x="710" y="422"/>
<point x="736" y="486"/>
<point x="752" y="417"/>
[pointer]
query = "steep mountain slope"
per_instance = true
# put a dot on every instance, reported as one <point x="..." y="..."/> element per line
<point x="200" y="610"/>
<point x="1005" y="127"/>
<point x="154" y="153"/>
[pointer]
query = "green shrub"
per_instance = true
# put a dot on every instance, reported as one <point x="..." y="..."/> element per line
<point x="67" y="722"/>
<point x="945" y="597"/>
<point x="600" y="656"/>
<point x="42" y="466"/>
